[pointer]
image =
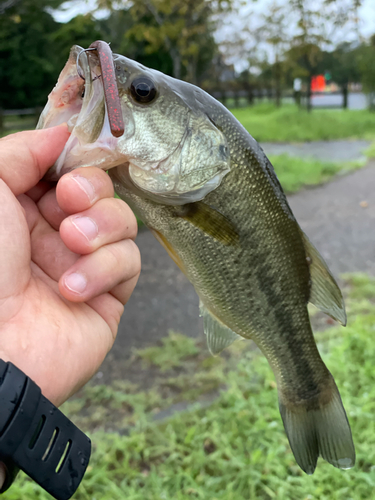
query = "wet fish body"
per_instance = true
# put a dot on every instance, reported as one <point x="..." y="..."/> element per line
<point x="209" y="194"/>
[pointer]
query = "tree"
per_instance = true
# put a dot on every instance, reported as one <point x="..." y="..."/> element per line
<point x="183" y="29"/>
<point x="366" y="58"/>
<point x="317" y="21"/>
<point x="28" y="69"/>
<point x="275" y="33"/>
<point x="342" y="65"/>
<point x="81" y="30"/>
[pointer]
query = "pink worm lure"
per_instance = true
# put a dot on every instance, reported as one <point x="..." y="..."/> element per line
<point x="111" y="95"/>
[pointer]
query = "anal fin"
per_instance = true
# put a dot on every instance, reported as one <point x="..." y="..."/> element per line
<point x="218" y="335"/>
<point x="325" y="293"/>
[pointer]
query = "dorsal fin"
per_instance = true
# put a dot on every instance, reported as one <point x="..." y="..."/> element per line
<point x="218" y="335"/>
<point x="325" y="293"/>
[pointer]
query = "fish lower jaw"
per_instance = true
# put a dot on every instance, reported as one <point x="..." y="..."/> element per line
<point x="84" y="156"/>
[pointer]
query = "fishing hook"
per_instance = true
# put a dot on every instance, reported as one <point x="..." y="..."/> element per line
<point x="78" y="67"/>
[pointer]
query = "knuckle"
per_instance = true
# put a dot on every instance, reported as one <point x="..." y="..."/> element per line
<point x="124" y="256"/>
<point x="115" y="256"/>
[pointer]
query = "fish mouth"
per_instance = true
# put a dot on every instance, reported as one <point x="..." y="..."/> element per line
<point x="78" y="99"/>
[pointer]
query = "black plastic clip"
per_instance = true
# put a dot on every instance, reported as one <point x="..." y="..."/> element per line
<point x="38" y="438"/>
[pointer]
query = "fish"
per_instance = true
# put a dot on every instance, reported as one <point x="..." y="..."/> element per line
<point x="207" y="191"/>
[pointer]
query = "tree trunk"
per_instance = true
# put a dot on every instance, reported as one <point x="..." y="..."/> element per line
<point x="224" y="98"/>
<point x="277" y="84"/>
<point x="192" y="71"/>
<point x="345" y="96"/>
<point x="250" y="95"/>
<point x="278" y="96"/>
<point x="297" y="97"/>
<point x="308" y="94"/>
<point x="176" y="59"/>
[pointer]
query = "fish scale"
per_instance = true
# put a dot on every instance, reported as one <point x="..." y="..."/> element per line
<point x="205" y="188"/>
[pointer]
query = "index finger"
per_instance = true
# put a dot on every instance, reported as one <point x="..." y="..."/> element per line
<point x="26" y="156"/>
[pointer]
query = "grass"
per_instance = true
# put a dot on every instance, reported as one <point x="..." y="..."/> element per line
<point x="295" y="173"/>
<point x="174" y="348"/>
<point x="234" y="449"/>
<point x="265" y="123"/>
<point x="14" y="124"/>
<point x="370" y="151"/>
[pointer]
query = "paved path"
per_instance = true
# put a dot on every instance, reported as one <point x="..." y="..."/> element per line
<point x="338" y="217"/>
<point x="322" y="150"/>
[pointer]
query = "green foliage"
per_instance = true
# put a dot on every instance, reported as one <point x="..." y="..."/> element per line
<point x="117" y="29"/>
<point x="27" y="69"/>
<point x="370" y="152"/>
<point x="183" y="29"/>
<point x="174" y="348"/>
<point x="289" y="124"/>
<point x="81" y="30"/>
<point x="366" y="57"/>
<point x="342" y="64"/>
<point x="295" y="173"/>
<point x="173" y="36"/>
<point x="236" y="448"/>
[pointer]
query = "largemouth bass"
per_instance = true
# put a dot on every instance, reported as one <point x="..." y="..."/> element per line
<point x="209" y="194"/>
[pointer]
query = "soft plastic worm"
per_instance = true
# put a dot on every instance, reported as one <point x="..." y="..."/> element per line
<point x="111" y="95"/>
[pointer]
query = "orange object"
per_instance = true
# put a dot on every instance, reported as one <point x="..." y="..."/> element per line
<point x="318" y="83"/>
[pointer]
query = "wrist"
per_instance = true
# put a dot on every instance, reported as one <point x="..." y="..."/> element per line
<point x="36" y="437"/>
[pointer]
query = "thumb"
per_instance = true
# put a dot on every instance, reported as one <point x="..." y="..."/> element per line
<point x="26" y="156"/>
<point x="14" y="245"/>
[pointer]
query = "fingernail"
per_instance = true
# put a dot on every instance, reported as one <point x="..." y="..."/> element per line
<point x="86" y="186"/>
<point x="86" y="226"/>
<point x="2" y="474"/>
<point x="76" y="282"/>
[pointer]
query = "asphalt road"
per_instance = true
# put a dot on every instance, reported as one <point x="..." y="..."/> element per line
<point x="355" y="100"/>
<point x="338" y="217"/>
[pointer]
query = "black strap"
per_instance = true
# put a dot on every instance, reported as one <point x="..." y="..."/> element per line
<point x="36" y="437"/>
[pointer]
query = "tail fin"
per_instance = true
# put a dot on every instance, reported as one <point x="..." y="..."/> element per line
<point x="322" y="429"/>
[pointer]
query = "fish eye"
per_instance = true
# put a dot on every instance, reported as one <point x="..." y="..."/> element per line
<point x="143" y="89"/>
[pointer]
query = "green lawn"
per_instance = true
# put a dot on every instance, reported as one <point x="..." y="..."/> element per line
<point x="235" y="448"/>
<point x="14" y="124"/>
<point x="295" y="173"/>
<point x="265" y="123"/>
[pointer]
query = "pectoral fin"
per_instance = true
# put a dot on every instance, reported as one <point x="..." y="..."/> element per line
<point x="325" y="293"/>
<point x="218" y="335"/>
<point x="210" y="221"/>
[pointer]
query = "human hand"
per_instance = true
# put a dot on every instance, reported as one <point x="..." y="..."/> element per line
<point x="68" y="264"/>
